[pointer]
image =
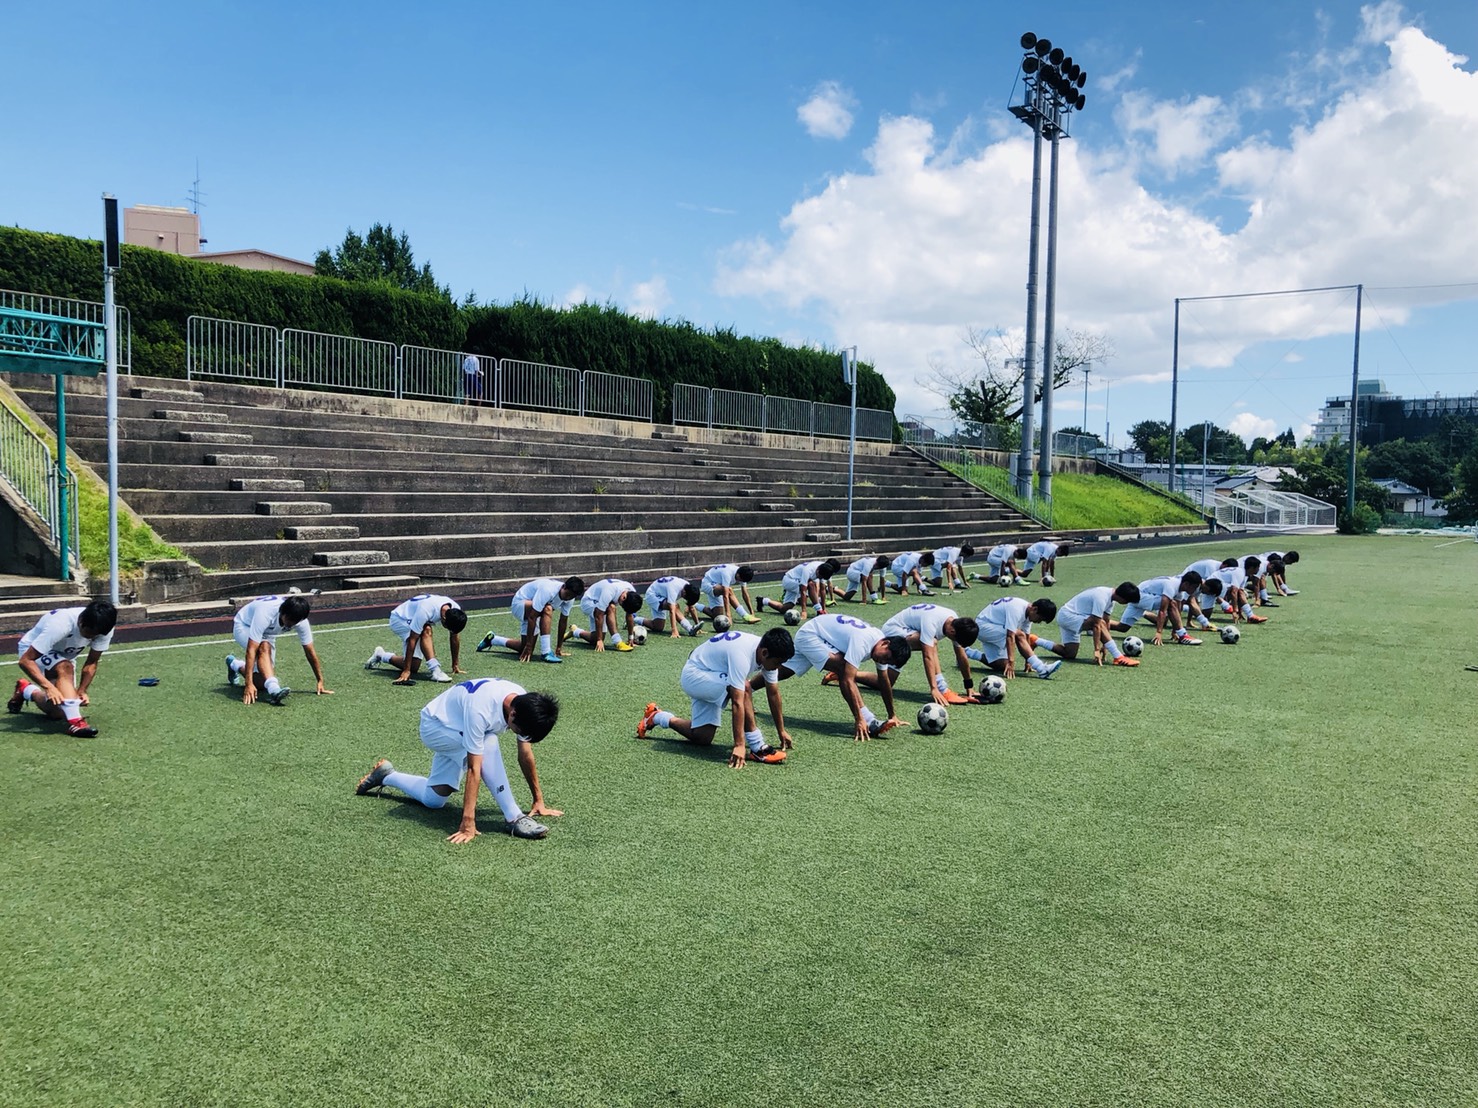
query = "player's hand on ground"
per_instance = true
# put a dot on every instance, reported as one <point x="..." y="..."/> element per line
<point x="458" y="669"/>
<point x="402" y="681"/>
<point x="82" y="698"/>
<point x="1159" y="639"/>
<point x="527" y="652"/>
<point x="859" y="733"/>
<point x="787" y="743"/>
<point x="249" y="694"/>
<point x="462" y="835"/>
<point x="940" y="698"/>
<point x="542" y="809"/>
<point x="321" y="691"/>
<point x="736" y="757"/>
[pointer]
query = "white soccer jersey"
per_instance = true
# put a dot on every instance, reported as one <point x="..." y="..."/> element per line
<point x="259" y="619"/>
<point x="846" y="635"/>
<point x="802" y="574"/>
<point x="418" y="611"/>
<point x="1206" y="567"/>
<point x="1089" y="603"/>
<point x="475" y="708"/>
<point x="906" y="563"/>
<point x="859" y="569"/>
<point x="720" y="577"/>
<point x="1040" y="551"/>
<point x="1009" y="612"/>
<point x="57" y="637"/>
<point x="1156" y="589"/>
<point x="541" y="592"/>
<point x="925" y="620"/>
<point x="1001" y="554"/>
<point x="1231" y="578"/>
<point x="606" y="592"/>
<point x="730" y="657"/>
<point x="946" y="555"/>
<point x="665" y="591"/>
<point x="1267" y="556"/>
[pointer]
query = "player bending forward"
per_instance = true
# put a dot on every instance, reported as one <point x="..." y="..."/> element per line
<point x="255" y="629"/>
<point x="923" y="625"/>
<point x="47" y="653"/>
<point x="532" y="608"/>
<point x="1161" y="597"/>
<point x="719" y="597"/>
<point x="411" y="623"/>
<point x="867" y="576"/>
<point x="665" y="599"/>
<point x="600" y="605"/>
<point x="839" y="645"/>
<point x="461" y="728"/>
<point x="718" y="672"/>
<point x="1091" y="612"/>
<point x="1006" y="630"/>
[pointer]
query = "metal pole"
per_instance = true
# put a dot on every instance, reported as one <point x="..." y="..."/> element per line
<point x="1174" y="389"/>
<point x="110" y="344"/>
<point x="1354" y="410"/>
<point x="1044" y="458"/>
<point x="63" y="483"/>
<point x="1205" y="442"/>
<point x="1029" y="373"/>
<point x="849" y="367"/>
<point x="1106" y="444"/>
<point x="1086" y="370"/>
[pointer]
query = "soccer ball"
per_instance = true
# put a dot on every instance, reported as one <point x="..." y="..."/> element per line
<point x="933" y="719"/>
<point x="1006" y="580"/>
<point x="1133" y="646"/>
<point x="1048" y="580"/>
<point x="638" y="635"/>
<point x="1230" y="635"/>
<point x="722" y="623"/>
<point x="793" y="616"/>
<point x="993" y="689"/>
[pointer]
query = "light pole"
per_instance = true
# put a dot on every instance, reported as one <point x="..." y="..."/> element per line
<point x="1052" y="92"/>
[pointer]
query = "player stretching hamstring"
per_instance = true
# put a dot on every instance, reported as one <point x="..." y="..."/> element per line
<point x="533" y="610"/>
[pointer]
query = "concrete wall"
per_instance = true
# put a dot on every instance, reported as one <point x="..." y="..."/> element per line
<point x="173" y="230"/>
<point x="24" y="548"/>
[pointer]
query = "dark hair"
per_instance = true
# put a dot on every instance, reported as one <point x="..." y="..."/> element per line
<point x="898" y="651"/>
<point x="1190" y="580"/>
<point x="692" y="593"/>
<point x="294" y="609"/>
<point x="1046" y="609"/>
<point x="100" y="617"/>
<point x="536" y="714"/>
<point x="883" y="562"/>
<point x="744" y="573"/>
<point x="778" y="644"/>
<point x="630" y="602"/>
<point x="1251" y="565"/>
<point x="1211" y="586"/>
<point x="966" y="550"/>
<point x="1019" y="552"/>
<point x="454" y="620"/>
<point x="826" y="569"/>
<point x="1127" y="593"/>
<point x="1289" y="557"/>
<point x="575" y="586"/>
<point x="1229" y="563"/>
<point x="966" y="631"/>
<point x="926" y="558"/>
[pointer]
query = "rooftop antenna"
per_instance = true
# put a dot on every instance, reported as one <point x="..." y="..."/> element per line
<point x="193" y="198"/>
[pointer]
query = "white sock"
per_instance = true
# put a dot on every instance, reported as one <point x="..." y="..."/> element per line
<point x="34" y="694"/>
<point x="502" y="640"/>
<point x="940" y="683"/>
<point x="687" y="625"/>
<point x="1035" y="664"/>
<point x="72" y="709"/>
<point x="1113" y="649"/>
<point x="754" y="741"/>
<point x="380" y="655"/>
<point x="238" y="666"/>
<point x="433" y="664"/>
<point x="417" y="788"/>
<point x="741" y="611"/>
<point x="867" y="716"/>
<point x="974" y="655"/>
<point x="273" y="686"/>
<point x="640" y="621"/>
<point x="575" y="632"/>
<point x="495" y="777"/>
<point x="616" y="639"/>
<point x="1045" y="644"/>
<point x="544" y="644"/>
<point x="1246" y="611"/>
<point x="662" y="719"/>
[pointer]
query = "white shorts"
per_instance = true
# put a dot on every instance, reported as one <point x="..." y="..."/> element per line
<point x="811" y="651"/>
<point x="1071" y="626"/>
<point x="854" y="580"/>
<point x="587" y="605"/>
<point x="243" y="640"/>
<point x="708" y="691"/>
<point x="792" y="588"/>
<point x="1133" y="613"/>
<point x="402" y="631"/>
<point x="448" y="755"/>
<point x="532" y="628"/>
<point x="657" y="608"/>
<point x="993" y="642"/>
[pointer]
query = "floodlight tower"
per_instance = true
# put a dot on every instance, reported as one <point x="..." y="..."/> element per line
<point x="1053" y="84"/>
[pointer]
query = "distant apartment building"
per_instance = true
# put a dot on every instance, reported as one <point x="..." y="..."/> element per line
<point x="177" y="231"/>
<point x="1384" y="416"/>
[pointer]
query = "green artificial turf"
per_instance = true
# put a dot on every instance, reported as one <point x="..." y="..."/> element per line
<point x="1235" y="876"/>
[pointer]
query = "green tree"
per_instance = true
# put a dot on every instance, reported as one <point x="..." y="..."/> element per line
<point x="1419" y="463"/>
<point x="1462" y="504"/>
<point x="380" y="256"/>
<point x="991" y="393"/>
<point x="1221" y="445"/>
<point x="1152" y="436"/>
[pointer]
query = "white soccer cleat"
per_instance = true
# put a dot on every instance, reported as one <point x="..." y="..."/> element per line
<point x="441" y="677"/>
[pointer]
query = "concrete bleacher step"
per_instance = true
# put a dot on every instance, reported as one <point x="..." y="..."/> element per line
<point x="266" y="484"/>
<point x="195" y="609"/>
<point x="337" y="558"/>
<point x="734" y="476"/>
<point x="753" y="492"/>
<point x="797" y="521"/>
<point x="180" y="415"/>
<point x="691" y="449"/>
<point x="669" y="435"/>
<point x="388" y="581"/>
<point x="823" y="536"/>
<point x="220" y="438"/>
<point x="166" y="394"/>
<point x="294" y="508"/>
<point x="251" y="460"/>
<point x="777" y="506"/>
<point x="319" y="534"/>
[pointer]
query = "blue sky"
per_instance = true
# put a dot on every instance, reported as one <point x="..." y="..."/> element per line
<point x="835" y="174"/>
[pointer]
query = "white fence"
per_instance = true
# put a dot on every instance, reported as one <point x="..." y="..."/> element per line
<point x="91" y="311"/>
<point x="1271" y="510"/>
<point x="702" y="407"/>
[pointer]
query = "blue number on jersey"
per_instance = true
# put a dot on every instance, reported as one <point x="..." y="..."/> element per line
<point x="920" y="607"/>
<point x="422" y="596"/>
<point x="848" y="621"/>
<point x="727" y="636"/>
<point x="473" y="685"/>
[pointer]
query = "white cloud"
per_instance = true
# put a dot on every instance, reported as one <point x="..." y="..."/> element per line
<point x="579" y="294"/>
<point x="1182" y="135"/>
<point x="828" y="113"/>
<point x="1249" y="427"/>
<point x="931" y="237"/>
<point x="648" y="298"/>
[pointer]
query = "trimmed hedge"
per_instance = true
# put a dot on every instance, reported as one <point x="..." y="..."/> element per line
<point x="163" y="290"/>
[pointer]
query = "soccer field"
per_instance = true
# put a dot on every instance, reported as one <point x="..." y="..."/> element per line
<point x="1236" y="875"/>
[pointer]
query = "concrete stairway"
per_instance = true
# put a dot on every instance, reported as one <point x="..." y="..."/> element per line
<point x="366" y="498"/>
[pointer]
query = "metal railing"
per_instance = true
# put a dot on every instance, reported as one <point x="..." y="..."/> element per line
<point x="1115" y="470"/>
<point x="701" y="407"/>
<point x="738" y="409"/>
<point x="613" y="395"/>
<point x="973" y="464"/>
<point x="238" y="351"/>
<point x="315" y="360"/>
<point x="430" y="374"/>
<point x="27" y="466"/>
<point x="544" y="388"/>
<point x="89" y="311"/>
<point x="789" y="416"/>
<point x="692" y="404"/>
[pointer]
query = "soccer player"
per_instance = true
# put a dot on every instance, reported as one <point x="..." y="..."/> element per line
<point x="1001" y="559"/>
<point x="48" y="653"/>
<point x="839" y="645"/>
<point x="533" y="610"/>
<point x="1005" y="631"/>
<point x="412" y="623"/>
<point x="1275" y="568"/>
<point x="718" y="592"/>
<point x="1046" y="552"/>
<point x="718" y="672"/>
<point x="255" y="629"/>
<point x="665" y="598"/>
<point x="1234" y="576"/>
<point x="1207" y="595"/>
<point x="461" y="728"/>
<point x="923" y="625"/>
<point x="599" y="605"/>
<point x="867" y="576"/>
<point x="1092" y="612"/>
<point x="1163" y="597"/>
<point x="949" y="566"/>
<point x="802" y="585"/>
<point x="907" y="566"/>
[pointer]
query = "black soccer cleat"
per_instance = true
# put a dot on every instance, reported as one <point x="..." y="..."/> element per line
<point x="81" y="729"/>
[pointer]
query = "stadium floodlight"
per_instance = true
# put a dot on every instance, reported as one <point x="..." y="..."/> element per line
<point x="1052" y="80"/>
